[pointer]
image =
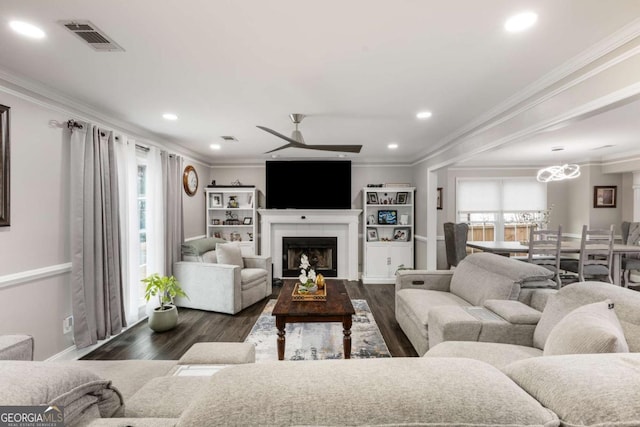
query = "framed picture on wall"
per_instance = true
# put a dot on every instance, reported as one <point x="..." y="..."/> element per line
<point x="439" y="198"/>
<point x="604" y="196"/>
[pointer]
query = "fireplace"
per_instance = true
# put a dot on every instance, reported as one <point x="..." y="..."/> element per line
<point x="322" y="253"/>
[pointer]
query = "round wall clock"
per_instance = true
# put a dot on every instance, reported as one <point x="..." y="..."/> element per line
<point x="190" y="180"/>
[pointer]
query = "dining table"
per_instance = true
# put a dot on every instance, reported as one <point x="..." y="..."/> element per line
<point x="509" y="248"/>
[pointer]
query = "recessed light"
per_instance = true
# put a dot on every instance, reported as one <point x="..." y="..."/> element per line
<point x="215" y="146"/>
<point x="424" y="115"/>
<point x="169" y="116"/>
<point x="26" y="29"/>
<point x="392" y="146"/>
<point x="520" y="22"/>
<point x="274" y="156"/>
<point x="342" y="156"/>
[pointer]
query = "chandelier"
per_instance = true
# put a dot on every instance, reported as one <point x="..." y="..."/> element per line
<point x="558" y="173"/>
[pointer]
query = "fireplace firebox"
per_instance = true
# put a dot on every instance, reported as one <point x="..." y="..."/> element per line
<point x="321" y="251"/>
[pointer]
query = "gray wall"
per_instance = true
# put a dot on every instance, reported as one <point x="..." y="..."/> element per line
<point x="39" y="233"/>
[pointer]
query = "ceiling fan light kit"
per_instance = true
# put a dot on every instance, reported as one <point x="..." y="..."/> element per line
<point x="558" y="173"/>
<point x="297" y="141"/>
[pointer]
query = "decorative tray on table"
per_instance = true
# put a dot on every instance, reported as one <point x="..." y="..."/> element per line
<point x="319" y="295"/>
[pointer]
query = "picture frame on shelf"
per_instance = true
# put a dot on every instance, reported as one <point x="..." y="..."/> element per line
<point x="215" y="200"/>
<point x="388" y="217"/>
<point x="401" y="198"/>
<point x="247" y="220"/>
<point x="401" y="234"/>
<point x="604" y="196"/>
<point x="439" y="198"/>
<point x="372" y="198"/>
<point x="372" y="235"/>
<point x="217" y="234"/>
<point x="215" y="221"/>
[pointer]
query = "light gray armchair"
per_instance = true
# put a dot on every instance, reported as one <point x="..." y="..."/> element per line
<point x="224" y="288"/>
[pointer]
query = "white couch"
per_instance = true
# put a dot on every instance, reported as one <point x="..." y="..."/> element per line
<point x="223" y="288"/>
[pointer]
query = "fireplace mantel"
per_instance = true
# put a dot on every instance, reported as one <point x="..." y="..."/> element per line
<point x="341" y="223"/>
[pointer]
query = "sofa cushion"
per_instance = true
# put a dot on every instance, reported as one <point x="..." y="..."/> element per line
<point x="151" y="400"/>
<point x="200" y="246"/>
<point x="219" y="353"/>
<point x="576" y="295"/>
<point x="592" y="328"/>
<point x="584" y="389"/>
<point x="81" y="392"/>
<point x="419" y="302"/>
<point x="229" y="253"/>
<point x="16" y="347"/>
<point x="495" y="354"/>
<point x="402" y="391"/>
<point x="484" y="276"/>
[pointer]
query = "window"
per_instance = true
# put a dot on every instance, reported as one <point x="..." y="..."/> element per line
<point x="501" y="208"/>
<point x="142" y="221"/>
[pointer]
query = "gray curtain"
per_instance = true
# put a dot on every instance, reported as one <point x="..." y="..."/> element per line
<point x="96" y="277"/>
<point x="173" y="224"/>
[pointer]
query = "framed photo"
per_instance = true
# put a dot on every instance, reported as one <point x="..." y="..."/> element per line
<point x="439" y="198"/>
<point x="215" y="200"/>
<point x="401" y="198"/>
<point x="372" y="235"/>
<point x="215" y="221"/>
<point x="217" y="234"/>
<point x="372" y="198"/>
<point x="401" y="234"/>
<point x="247" y="220"/>
<point x="4" y="167"/>
<point x="388" y="217"/>
<point x="604" y="196"/>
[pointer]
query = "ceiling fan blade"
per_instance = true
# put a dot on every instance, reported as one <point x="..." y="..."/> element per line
<point x="342" y="148"/>
<point x="282" y="147"/>
<point x="279" y="135"/>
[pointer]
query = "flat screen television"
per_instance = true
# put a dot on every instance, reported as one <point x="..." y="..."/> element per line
<point x="309" y="184"/>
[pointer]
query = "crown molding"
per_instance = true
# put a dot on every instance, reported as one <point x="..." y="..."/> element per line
<point x="46" y="97"/>
<point x="543" y="87"/>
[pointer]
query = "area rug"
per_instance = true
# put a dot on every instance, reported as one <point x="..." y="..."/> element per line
<point x="317" y="341"/>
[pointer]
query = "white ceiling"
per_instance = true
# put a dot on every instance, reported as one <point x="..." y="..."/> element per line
<point x="360" y="69"/>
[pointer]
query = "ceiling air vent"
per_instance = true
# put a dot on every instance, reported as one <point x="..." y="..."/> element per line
<point x="229" y="138"/>
<point x="92" y="35"/>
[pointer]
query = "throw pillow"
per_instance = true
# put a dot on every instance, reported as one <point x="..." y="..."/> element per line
<point x="229" y="253"/>
<point x="592" y="328"/>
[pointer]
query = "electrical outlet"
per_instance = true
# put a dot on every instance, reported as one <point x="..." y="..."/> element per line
<point x="67" y="325"/>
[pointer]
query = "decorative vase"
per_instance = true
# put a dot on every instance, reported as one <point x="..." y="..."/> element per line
<point x="320" y="281"/>
<point x="164" y="320"/>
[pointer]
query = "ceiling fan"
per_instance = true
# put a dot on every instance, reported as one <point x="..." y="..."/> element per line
<point x="297" y="141"/>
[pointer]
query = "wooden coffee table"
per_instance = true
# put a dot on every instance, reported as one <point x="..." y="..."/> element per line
<point x="337" y="308"/>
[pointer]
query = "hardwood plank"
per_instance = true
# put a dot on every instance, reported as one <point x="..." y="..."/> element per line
<point x="140" y="342"/>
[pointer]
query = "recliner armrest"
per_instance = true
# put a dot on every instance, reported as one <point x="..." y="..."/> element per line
<point x="435" y="280"/>
<point x="257" y="261"/>
<point x="514" y="312"/>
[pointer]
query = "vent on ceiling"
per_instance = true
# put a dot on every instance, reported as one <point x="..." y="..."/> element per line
<point x="92" y="35"/>
<point x="229" y="138"/>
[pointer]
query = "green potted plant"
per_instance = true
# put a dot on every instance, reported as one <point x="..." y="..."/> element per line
<point x="165" y="316"/>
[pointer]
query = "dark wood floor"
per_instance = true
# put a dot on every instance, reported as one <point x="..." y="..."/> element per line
<point x="140" y="342"/>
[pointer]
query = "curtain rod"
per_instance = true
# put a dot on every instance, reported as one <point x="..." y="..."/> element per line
<point x="73" y="124"/>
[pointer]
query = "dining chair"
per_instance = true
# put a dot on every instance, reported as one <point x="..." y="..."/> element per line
<point x="455" y="242"/>
<point x="630" y="236"/>
<point x="596" y="255"/>
<point x="544" y="250"/>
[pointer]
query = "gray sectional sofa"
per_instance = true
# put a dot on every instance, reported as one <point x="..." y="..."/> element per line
<point x="444" y="305"/>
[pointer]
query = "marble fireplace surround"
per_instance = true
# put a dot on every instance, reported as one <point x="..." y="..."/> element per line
<point x="341" y="223"/>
